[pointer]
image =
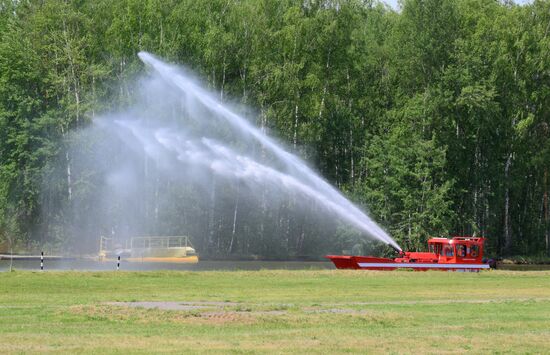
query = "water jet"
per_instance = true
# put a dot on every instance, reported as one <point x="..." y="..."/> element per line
<point x="176" y="135"/>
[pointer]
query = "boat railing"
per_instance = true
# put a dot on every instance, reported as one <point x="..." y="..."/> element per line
<point x="105" y="244"/>
<point x="474" y="239"/>
<point x="160" y="242"/>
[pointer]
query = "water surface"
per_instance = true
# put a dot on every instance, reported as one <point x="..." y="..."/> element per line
<point x="91" y="265"/>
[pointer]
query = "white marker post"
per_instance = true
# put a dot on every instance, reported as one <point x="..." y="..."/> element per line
<point x="41" y="261"/>
<point x="118" y="263"/>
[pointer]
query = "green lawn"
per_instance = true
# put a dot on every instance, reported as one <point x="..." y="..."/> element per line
<point x="276" y="311"/>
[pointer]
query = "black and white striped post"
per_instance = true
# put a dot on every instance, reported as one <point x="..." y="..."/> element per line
<point x="42" y="261"/>
<point x="118" y="263"/>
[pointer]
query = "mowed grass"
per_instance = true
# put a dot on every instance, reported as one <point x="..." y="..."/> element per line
<point x="329" y="311"/>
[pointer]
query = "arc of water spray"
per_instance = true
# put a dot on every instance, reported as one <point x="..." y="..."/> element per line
<point x="331" y="197"/>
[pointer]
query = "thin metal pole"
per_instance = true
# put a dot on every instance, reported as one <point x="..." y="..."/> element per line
<point x="11" y="257"/>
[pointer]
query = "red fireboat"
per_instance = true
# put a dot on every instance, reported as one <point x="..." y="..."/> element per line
<point x="456" y="254"/>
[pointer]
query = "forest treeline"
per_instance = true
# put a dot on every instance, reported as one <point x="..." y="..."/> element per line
<point x="434" y="118"/>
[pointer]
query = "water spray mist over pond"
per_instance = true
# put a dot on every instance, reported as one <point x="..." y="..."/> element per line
<point x="180" y="134"/>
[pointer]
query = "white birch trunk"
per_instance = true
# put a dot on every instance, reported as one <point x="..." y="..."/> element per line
<point x="546" y="214"/>
<point x="507" y="227"/>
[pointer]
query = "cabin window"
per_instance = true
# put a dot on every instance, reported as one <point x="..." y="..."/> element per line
<point x="435" y="248"/>
<point x="448" y="251"/>
<point x="474" y="251"/>
<point x="461" y="250"/>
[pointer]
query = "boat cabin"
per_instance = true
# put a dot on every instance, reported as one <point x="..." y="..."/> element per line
<point x="458" y="250"/>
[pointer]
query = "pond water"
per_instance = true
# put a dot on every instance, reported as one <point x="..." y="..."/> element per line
<point x="208" y="265"/>
<point x="91" y="265"/>
<point x="524" y="267"/>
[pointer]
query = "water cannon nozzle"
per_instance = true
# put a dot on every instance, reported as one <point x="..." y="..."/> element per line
<point x="399" y="251"/>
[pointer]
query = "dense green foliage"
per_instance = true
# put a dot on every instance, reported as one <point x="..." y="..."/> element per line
<point x="276" y="311"/>
<point x="436" y="117"/>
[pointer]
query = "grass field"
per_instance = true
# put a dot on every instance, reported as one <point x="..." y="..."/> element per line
<point x="329" y="311"/>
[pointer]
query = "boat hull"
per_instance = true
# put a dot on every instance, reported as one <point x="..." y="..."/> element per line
<point x="385" y="264"/>
<point x="343" y="261"/>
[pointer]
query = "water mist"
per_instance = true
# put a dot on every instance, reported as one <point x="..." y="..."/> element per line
<point x="179" y="145"/>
